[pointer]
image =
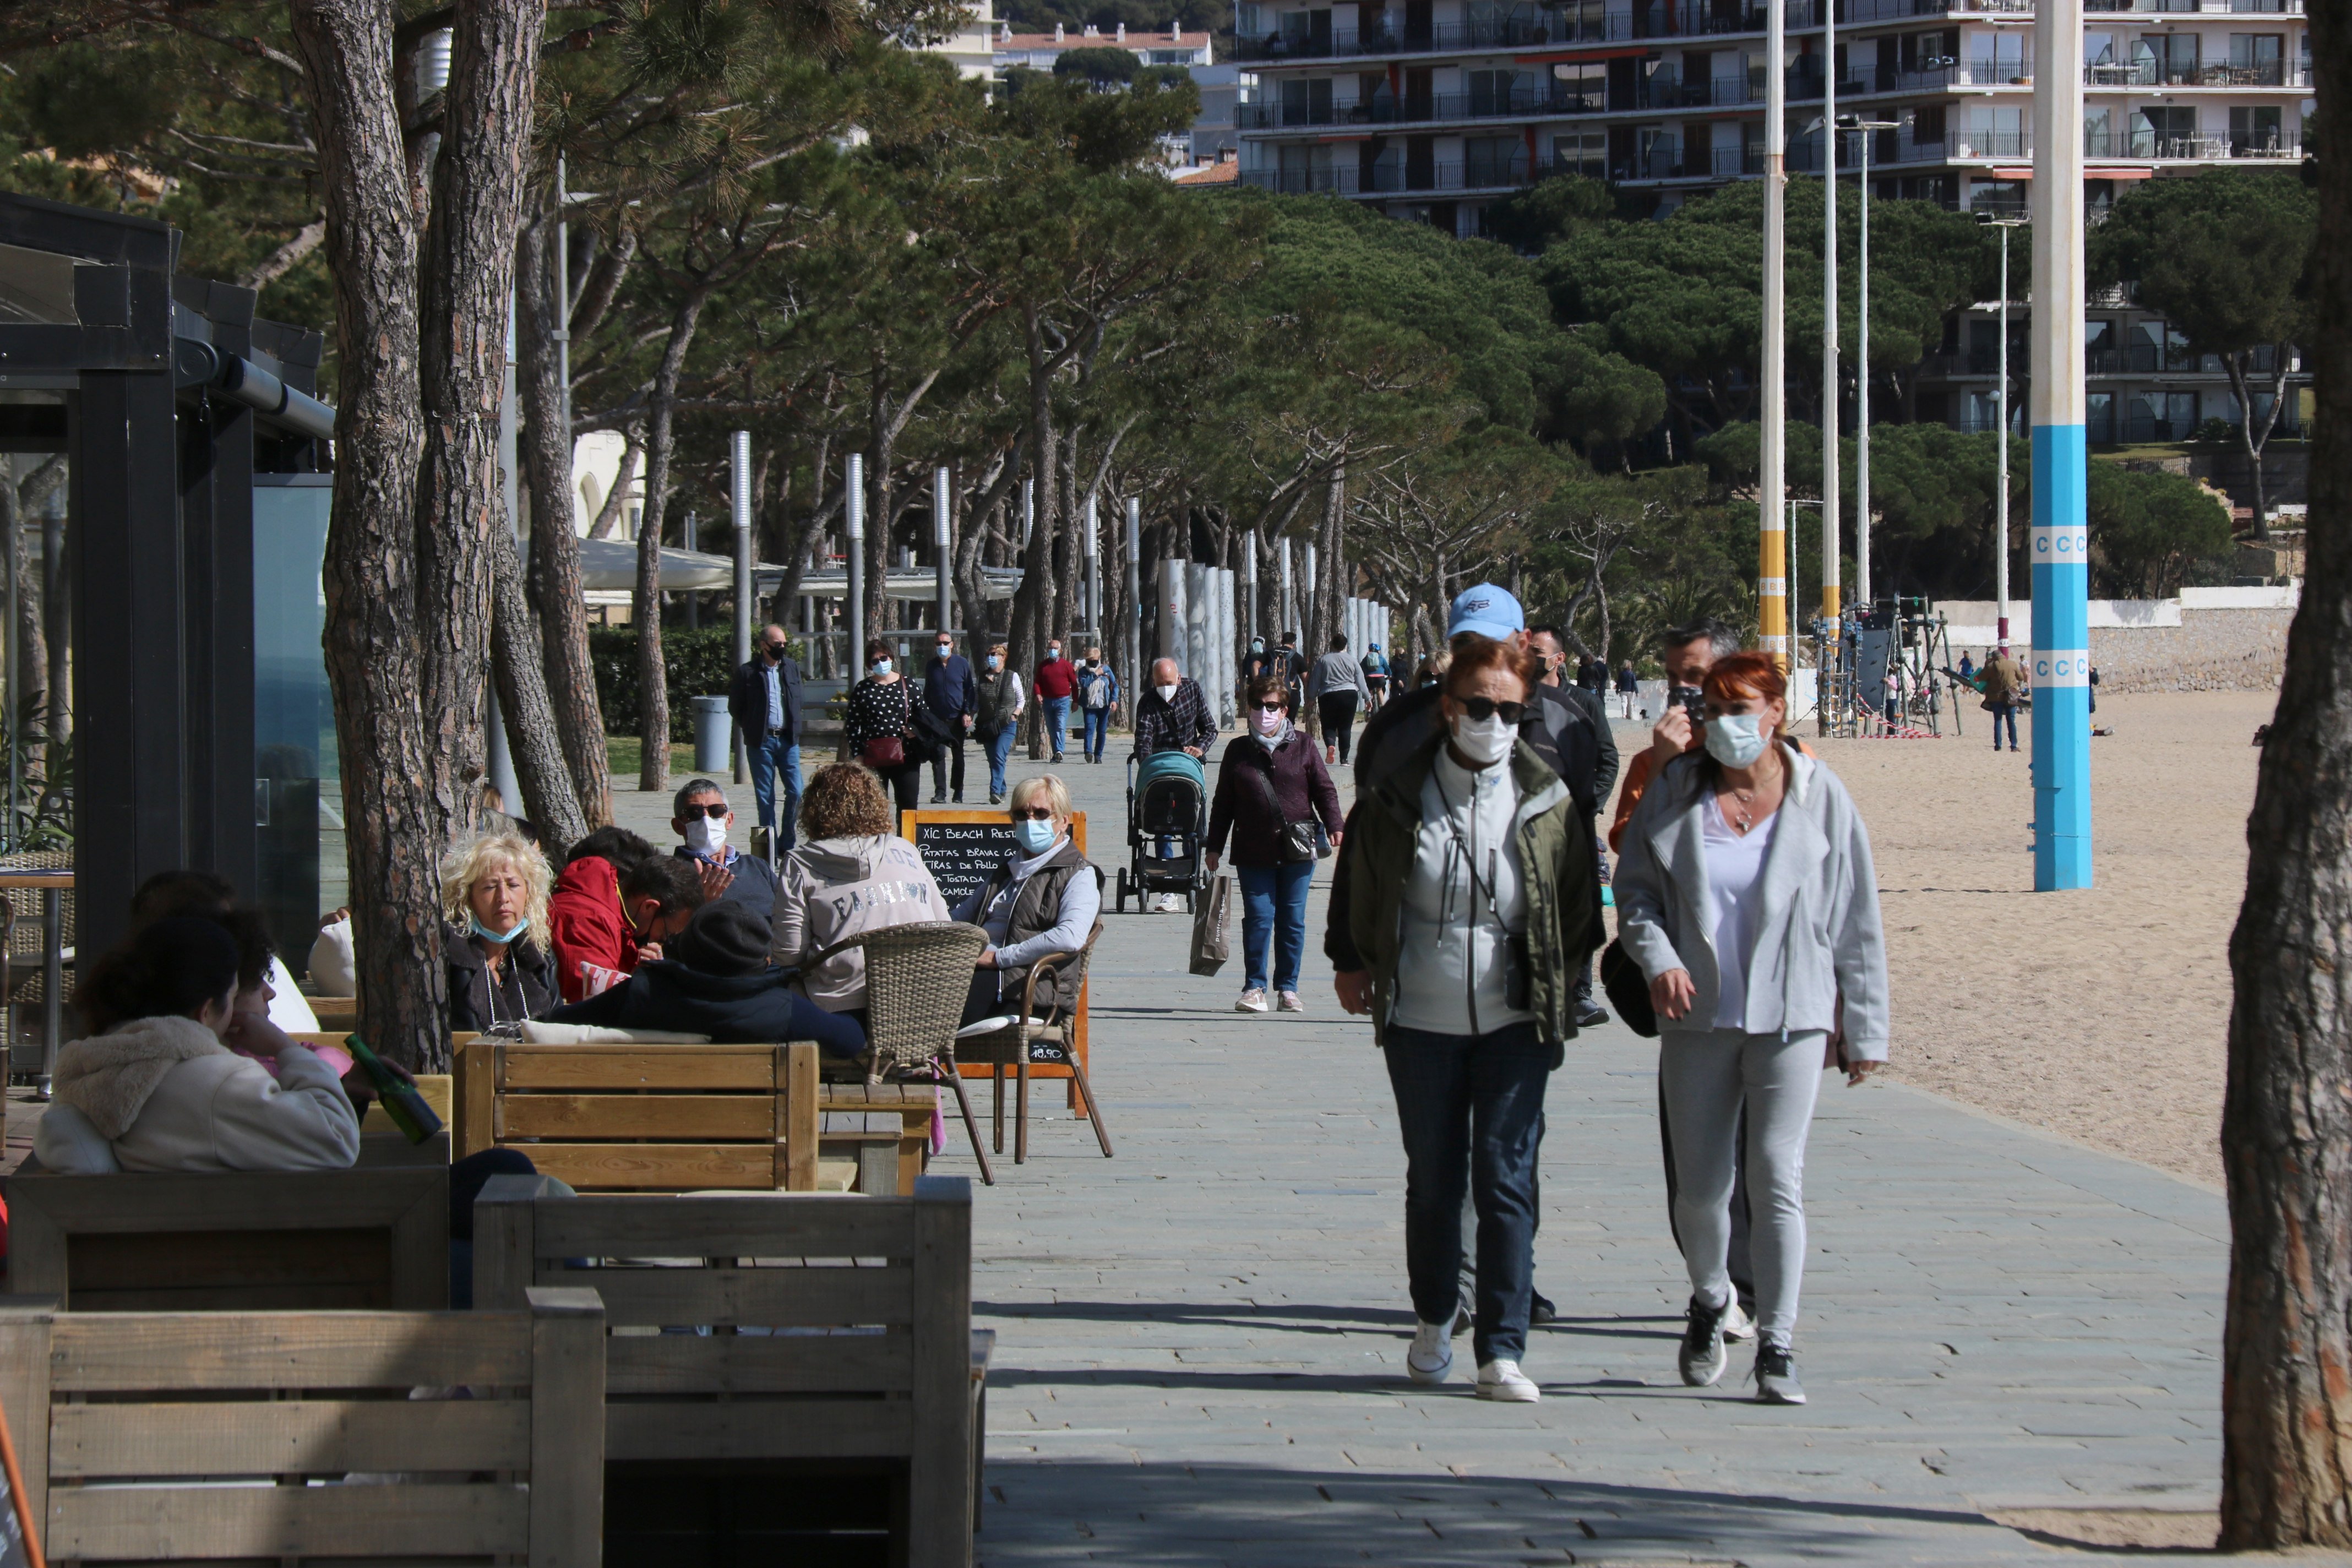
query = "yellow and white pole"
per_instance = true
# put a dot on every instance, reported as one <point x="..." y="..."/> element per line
<point x="1772" y="487"/>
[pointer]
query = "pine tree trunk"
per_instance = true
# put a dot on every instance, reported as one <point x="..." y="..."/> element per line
<point x="392" y="825"/>
<point x="653" y="668"/>
<point x="2286" y="1125"/>
<point x="549" y="797"/>
<point x="468" y="287"/>
<point x="554" y="579"/>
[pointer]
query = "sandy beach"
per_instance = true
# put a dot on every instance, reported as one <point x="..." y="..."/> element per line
<point x="2099" y="1015"/>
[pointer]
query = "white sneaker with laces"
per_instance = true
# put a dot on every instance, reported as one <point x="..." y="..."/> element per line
<point x="1287" y="1002"/>
<point x="1736" y="1324"/>
<point x="1431" y="1355"/>
<point x="1503" y="1380"/>
<point x="1253" y="1001"/>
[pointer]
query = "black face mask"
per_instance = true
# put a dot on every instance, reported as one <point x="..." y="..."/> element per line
<point x="1092" y="663"/>
<point x="774" y="655"/>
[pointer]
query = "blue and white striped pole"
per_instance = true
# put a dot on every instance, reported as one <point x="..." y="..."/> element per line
<point x="2061" y="634"/>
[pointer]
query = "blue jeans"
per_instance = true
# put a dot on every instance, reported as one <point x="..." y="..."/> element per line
<point x="1274" y="906"/>
<point x="1471" y="1108"/>
<point x="1056" y="724"/>
<point x="1000" y="747"/>
<point x="1098" y="721"/>
<point x="2009" y="712"/>
<point x="776" y="756"/>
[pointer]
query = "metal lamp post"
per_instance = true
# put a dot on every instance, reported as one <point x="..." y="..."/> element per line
<point x="942" y="537"/>
<point x="1772" y="543"/>
<point x="1861" y="361"/>
<point x="853" y="480"/>
<point x="2001" y="498"/>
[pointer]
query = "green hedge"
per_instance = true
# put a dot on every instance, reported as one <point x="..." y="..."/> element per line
<point x="699" y="663"/>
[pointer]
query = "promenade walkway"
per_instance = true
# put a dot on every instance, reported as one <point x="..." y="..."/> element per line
<point x="1202" y="1342"/>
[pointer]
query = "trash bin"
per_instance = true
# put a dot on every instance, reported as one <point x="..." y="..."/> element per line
<point x="713" y="731"/>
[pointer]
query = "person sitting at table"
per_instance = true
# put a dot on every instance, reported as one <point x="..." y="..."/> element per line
<point x="155" y="1086"/>
<point x="716" y="981"/>
<point x="619" y="898"/>
<point x="210" y="896"/>
<point x="1044" y="899"/>
<point x="701" y="818"/>
<point x="494" y="948"/>
<point x="849" y="874"/>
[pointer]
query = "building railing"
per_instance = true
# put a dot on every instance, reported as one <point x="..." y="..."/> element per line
<point x="2151" y="73"/>
<point x="1400" y="179"/>
<point x="1615" y="25"/>
<point x="1414" y="108"/>
<point x="2233" y="7"/>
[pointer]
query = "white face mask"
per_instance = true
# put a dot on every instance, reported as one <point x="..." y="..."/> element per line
<point x="1167" y="693"/>
<point x="1266" y="724"/>
<point x="1485" y="741"/>
<point x="707" y="836"/>
<point x="1735" y="740"/>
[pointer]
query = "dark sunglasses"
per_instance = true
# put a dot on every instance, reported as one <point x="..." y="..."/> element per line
<point x="1485" y="707"/>
<point x="1272" y="707"/>
<point x="1031" y="812"/>
<point x="714" y="811"/>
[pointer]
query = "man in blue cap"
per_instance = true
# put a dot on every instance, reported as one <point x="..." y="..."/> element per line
<point x="1575" y="744"/>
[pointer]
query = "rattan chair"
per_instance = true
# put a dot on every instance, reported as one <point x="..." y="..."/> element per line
<point x="1034" y="1037"/>
<point x="916" y="977"/>
<point x="24" y="940"/>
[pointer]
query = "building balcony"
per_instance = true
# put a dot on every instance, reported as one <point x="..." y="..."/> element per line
<point x="2148" y="144"/>
<point x="1400" y="179"/>
<point x="1411" y="109"/>
<point x="1543" y="31"/>
<point x="2149" y="73"/>
<point x="2194" y="7"/>
<point x="1859" y="11"/>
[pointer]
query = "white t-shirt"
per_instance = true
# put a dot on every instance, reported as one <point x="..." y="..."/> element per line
<point x="1735" y="866"/>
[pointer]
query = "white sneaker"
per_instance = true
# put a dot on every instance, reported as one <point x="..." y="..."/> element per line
<point x="1736" y="1324"/>
<point x="1503" y="1380"/>
<point x="1253" y="1001"/>
<point x="1432" y="1356"/>
<point x="1287" y="1002"/>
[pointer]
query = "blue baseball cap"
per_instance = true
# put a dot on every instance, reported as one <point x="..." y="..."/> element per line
<point x="1489" y="611"/>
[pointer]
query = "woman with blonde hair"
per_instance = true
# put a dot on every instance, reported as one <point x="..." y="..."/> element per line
<point x="1044" y="899"/>
<point x="500" y="963"/>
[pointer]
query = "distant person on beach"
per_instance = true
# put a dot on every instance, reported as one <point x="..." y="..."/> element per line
<point x="1968" y="669"/>
<point x="1629" y="685"/>
<point x="1475" y="907"/>
<point x="1764" y="966"/>
<point x="2004" y="683"/>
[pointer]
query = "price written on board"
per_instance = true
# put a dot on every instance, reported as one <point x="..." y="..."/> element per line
<point x="965" y="848"/>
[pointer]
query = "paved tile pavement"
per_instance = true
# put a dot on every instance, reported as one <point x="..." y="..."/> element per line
<point x="1202" y="1342"/>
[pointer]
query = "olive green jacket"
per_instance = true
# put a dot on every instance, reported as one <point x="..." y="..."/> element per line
<point x="1555" y="864"/>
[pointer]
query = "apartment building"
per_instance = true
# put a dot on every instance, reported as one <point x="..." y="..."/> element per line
<point x="1224" y="86"/>
<point x="1432" y="109"/>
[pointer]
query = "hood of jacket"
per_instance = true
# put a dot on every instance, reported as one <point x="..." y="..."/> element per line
<point x="592" y="877"/>
<point x="108" y="1076"/>
<point x="851" y="859"/>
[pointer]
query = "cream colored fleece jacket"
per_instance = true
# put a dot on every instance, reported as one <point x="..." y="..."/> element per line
<point x="163" y="1094"/>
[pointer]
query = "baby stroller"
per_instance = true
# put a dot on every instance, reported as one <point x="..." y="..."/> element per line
<point x="1167" y="816"/>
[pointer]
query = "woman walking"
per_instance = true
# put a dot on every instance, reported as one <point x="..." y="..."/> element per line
<point x="1272" y="797"/>
<point x="1097" y="701"/>
<point x="1745" y="893"/>
<point x="1335" y="686"/>
<point x="1475" y="905"/>
<point x="999" y="718"/>
<point x="881" y="730"/>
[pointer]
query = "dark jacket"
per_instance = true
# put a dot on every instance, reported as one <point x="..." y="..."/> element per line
<point x="1302" y="789"/>
<point x="759" y="1008"/>
<point x="949" y="690"/>
<point x="526" y="986"/>
<point x="994" y="704"/>
<point x="1038" y="908"/>
<point x="747" y="699"/>
<point x="754" y="886"/>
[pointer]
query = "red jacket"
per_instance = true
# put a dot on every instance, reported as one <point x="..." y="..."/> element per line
<point x="1057" y="678"/>
<point x="584" y="924"/>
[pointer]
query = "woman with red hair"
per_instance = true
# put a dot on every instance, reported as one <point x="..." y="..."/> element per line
<point x="1745" y="893"/>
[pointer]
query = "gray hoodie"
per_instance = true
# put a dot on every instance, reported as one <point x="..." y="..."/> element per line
<point x="834" y="889"/>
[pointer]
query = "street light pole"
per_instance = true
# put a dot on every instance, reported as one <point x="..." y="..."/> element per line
<point x="1831" y="481"/>
<point x="1862" y="366"/>
<point x="1772" y="491"/>
<point x="2000" y="499"/>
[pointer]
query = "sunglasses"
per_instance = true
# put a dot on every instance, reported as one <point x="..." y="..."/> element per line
<point x="1271" y="707"/>
<point x="1031" y="812"/>
<point x="714" y="811"/>
<point x="1485" y="707"/>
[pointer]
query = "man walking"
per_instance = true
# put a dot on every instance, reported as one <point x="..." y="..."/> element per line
<point x="1333" y="688"/>
<point x="1628" y="686"/>
<point x="765" y="703"/>
<point x="1057" y="680"/>
<point x="1173" y="716"/>
<point x="952" y="696"/>
<point x="2004" y="679"/>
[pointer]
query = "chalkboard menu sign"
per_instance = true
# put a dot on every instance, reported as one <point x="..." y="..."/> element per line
<point x="963" y="848"/>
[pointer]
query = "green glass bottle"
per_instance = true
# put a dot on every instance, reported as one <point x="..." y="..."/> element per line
<point x="408" y="1110"/>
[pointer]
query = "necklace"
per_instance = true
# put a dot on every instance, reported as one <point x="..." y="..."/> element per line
<point x="1741" y="800"/>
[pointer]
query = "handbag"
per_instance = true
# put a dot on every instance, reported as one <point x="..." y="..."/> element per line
<point x="884" y="753"/>
<point x="1211" y="946"/>
<point x="1629" y="990"/>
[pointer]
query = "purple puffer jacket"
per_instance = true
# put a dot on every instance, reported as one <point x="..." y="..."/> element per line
<point x="1301" y="785"/>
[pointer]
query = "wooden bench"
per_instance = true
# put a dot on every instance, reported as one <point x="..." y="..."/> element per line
<point x="377" y="1236"/>
<point x="672" y="1119"/>
<point x="835" y="1331"/>
<point x="177" y="1437"/>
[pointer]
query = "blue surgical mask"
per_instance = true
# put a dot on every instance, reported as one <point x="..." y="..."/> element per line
<point x="994" y="662"/>
<point x="881" y="667"/>
<point x="501" y="938"/>
<point x="1034" y="838"/>
<point x="1735" y="740"/>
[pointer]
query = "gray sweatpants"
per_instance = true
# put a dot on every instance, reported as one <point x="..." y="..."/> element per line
<point x="1707" y="1076"/>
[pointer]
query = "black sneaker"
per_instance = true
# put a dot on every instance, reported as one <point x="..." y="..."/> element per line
<point x="938" y="797"/>
<point x="1539" y="1308"/>
<point x="1776" y="1375"/>
<point x="1588" y="1017"/>
<point x="1701" y="1357"/>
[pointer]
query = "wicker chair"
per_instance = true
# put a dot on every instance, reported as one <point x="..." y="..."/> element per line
<point x="24" y="939"/>
<point x="916" y="977"/>
<point x="1030" y="1037"/>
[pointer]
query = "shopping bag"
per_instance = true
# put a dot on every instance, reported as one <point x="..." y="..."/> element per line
<point x="1211" y="947"/>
